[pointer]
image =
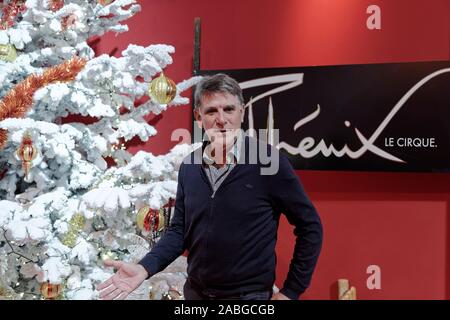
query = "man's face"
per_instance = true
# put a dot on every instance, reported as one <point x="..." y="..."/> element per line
<point x="220" y="114"/>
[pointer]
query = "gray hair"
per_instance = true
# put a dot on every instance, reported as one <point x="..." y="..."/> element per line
<point x="219" y="82"/>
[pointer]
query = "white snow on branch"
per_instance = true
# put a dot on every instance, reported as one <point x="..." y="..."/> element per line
<point x="54" y="270"/>
<point x="15" y="124"/>
<point x="109" y="199"/>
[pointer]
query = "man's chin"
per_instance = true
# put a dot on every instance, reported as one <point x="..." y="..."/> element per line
<point x="222" y="136"/>
<point x="222" y="141"/>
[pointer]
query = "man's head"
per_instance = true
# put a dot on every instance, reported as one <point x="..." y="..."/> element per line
<point x="219" y="107"/>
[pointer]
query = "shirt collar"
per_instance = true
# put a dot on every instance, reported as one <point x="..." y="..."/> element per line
<point x="232" y="155"/>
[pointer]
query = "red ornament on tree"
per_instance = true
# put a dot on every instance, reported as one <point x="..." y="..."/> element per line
<point x="50" y="291"/>
<point x="68" y="21"/>
<point x="55" y="5"/>
<point x="150" y="220"/>
<point x="10" y="12"/>
<point x="154" y="221"/>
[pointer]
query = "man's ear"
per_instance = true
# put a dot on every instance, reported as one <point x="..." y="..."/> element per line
<point x="198" y="118"/>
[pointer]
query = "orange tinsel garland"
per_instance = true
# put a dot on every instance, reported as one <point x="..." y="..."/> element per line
<point x="18" y="100"/>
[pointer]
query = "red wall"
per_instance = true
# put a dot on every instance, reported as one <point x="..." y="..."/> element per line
<point x="397" y="221"/>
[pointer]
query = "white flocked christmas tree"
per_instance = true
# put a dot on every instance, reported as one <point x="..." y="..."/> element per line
<point x="63" y="209"/>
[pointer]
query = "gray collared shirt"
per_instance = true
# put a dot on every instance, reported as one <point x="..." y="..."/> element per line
<point x="217" y="175"/>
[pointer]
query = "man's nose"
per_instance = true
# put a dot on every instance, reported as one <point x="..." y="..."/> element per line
<point x="220" y="119"/>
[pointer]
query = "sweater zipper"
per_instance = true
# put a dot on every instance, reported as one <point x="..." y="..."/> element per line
<point x="208" y="182"/>
<point x="211" y="208"/>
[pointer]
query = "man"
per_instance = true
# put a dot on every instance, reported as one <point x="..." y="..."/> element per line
<point x="227" y="213"/>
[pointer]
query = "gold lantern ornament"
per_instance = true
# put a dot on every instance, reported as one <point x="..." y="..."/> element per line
<point x="50" y="291"/>
<point x="150" y="220"/>
<point x="162" y="89"/>
<point x="27" y="152"/>
<point x="8" y="52"/>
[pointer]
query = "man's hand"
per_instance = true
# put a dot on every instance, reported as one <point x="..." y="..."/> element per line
<point x="279" y="296"/>
<point x="128" y="277"/>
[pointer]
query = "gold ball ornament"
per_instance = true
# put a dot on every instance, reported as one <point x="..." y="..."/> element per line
<point x="8" y="52"/>
<point x="150" y="220"/>
<point x="162" y="89"/>
<point x="50" y="291"/>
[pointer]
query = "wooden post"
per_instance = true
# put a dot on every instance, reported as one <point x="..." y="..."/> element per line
<point x="197" y="132"/>
<point x="197" y="33"/>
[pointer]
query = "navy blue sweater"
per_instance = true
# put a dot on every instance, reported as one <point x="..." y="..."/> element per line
<point x="231" y="236"/>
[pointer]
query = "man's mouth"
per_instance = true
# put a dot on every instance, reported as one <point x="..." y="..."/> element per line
<point x="221" y="130"/>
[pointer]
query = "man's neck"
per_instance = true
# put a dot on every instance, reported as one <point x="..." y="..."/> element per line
<point x="219" y="159"/>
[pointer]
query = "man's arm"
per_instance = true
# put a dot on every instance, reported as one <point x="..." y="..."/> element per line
<point x="171" y="244"/>
<point x="291" y="199"/>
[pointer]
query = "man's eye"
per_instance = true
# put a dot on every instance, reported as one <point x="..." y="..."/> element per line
<point x="229" y="110"/>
